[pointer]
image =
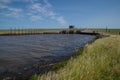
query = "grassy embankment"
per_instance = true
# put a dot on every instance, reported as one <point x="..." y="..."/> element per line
<point x="109" y="31"/>
<point x="98" y="61"/>
<point x="22" y="31"/>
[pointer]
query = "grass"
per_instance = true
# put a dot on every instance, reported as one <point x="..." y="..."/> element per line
<point x="64" y="63"/>
<point x="20" y="31"/>
<point x="98" y="61"/>
<point x="110" y="31"/>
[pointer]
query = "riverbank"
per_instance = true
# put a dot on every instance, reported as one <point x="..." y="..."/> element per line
<point x="108" y="31"/>
<point x="31" y="31"/>
<point x="19" y="32"/>
<point x="99" y="60"/>
<point x="23" y="56"/>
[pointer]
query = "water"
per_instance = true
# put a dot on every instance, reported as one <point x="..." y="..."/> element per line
<point x="17" y="51"/>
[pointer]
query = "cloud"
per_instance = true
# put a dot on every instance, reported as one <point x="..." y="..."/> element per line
<point x="5" y="1"/>
<point x="35" y="17"/>
<point x="38" y="8"/>
<point x="61" y="20"/>
<point x="34" y="10"/>
<point x="2" y="6"/>
<point x="14" y="9"/>
<point x="10" y="11"/>
<point x="47" y="4"/>
<point x="46" y="10"/>
<point x="13" y="14"/>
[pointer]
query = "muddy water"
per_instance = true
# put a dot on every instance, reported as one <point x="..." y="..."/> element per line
<point x="18" y="51"/>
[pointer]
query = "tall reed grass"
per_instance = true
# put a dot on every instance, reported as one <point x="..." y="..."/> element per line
<point x="99" y="61"/>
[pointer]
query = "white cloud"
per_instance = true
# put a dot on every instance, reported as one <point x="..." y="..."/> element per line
<point x="29" y="0"/>
<point x="46" y="10"/>
<point x="5" y="1"/>
<point x="13" y="14"/>
<point x="11" y="11"/>
<point x="34" y="18"/>
<point x="2" y="6"/>
<point x="37" y="7"/>
<point x="14" y="9"/>
<point x="61" y="20"/>
<point x="48" y="5"/>
<point x="34" y="10"/>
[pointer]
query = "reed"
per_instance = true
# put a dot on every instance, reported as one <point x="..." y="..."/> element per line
<point x="99" y="61"/>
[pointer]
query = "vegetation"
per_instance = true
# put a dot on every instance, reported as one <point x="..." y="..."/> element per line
<point x="20" y="31"/>
<point x="110" y="31"/>
<point x="64" y="63"/>
<point x="99" y="61"/>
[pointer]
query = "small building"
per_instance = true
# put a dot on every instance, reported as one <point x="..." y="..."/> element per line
<point x="71" y="27"/>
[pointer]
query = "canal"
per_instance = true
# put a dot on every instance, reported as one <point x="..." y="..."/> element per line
<point x="17" y="53"/>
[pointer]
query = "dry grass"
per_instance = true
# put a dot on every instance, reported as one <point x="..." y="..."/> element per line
<point x="99" y="61"/>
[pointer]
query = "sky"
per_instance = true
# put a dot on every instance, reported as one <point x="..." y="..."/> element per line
<point x="24" y="14"/>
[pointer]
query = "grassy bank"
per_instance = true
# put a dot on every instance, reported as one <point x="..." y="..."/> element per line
<point x="109" y="31"/>
<point x="22" y="31"/>
<point x="99" y="61"/>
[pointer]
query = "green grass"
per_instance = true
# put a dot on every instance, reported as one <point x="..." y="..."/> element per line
<point x="110" y="31"/>
<point x="64" y="63"/>
<point x="99" y="61"/>
<point x="20" y="31"/>
<point x="17" y="31"/>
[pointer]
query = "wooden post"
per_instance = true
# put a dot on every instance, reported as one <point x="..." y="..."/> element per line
<point x="106" y="29"/>
<point x="10" y="30"/>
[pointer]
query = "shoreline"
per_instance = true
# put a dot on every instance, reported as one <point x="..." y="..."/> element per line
<point x="38" y="69"/>
<point x="21" y="34"/>
<point x="103" y="64"/>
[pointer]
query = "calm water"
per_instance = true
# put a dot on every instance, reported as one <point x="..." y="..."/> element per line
<point x="21" y="50"/>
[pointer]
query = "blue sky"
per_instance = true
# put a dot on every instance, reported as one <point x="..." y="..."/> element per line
<point x="59" y="13"/>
